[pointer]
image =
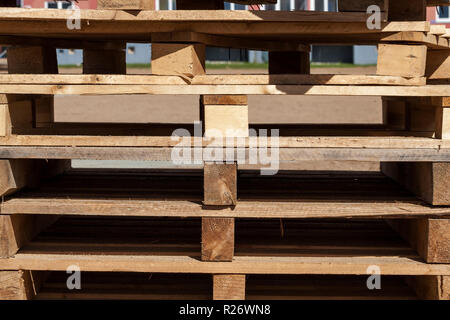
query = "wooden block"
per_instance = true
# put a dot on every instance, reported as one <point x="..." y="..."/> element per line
<point x="430" y="287"/>
<point x="361" y="5"/>
<point x="220" y="187"/>
<point x="97" y="61"/>
<point x="126" y="4"/>
<point x="8" y="3"/>
<point x="44" y="111"/>
<point x="17" y="285"/>
<point x="438" y="64"/>
<point x="226" y="120"/>
<point x="229" y="287"/>
<point x="178" y="59"/>
<point x="19" y="173"/>
<point x="224" y="99"/>
<point x="429" y="181"/>
<point x="407" y="10"/>
<point x="17" y="230"/>
<point x="429" y="237"/>
<point x="200" y="4"/>
<point x="289" y="62"/>
<point x="33" y="59"/>
<point x="401" y="60"/>
<point x="394" y="114"/>
<point x="443" y="123"/>
<point x="217" y="239"/>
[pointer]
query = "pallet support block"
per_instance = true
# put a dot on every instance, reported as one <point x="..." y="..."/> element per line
<point x="217" y="239"/>
<point x="186" y="60"/>
<point x="35" y="60"/>
<point x="420" y="116"/>
<point x="401" y="60"/>
<point x="430" y="287"/>
<point x="429" y="237"/>
<point x="438" y="65"/>
<point x="19" y="285"/>
<point x="430" y="181"/>
<point x="229" y="287"/>
<point x="17" y="230"/>
<point x="105" y="61"/>
<point x="407" y="10"/>
<point x="200" y="5"/>
<point x="289" y="62"/>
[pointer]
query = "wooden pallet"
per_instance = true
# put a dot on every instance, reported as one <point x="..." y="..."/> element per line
<point x="157" y="246"/>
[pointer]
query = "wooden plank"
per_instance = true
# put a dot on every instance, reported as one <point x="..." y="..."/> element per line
<point x="290" y="155"/>
<point x="394" y="91"/>
<point x="17" y="285"/>
<point x="430" y="287"/>
<point x="401" y="60"/>
<point x="429" y="181"/>
<point x="407" y="10"/>
<point x="227" y="41"/>
<point x="104" y="61"/>
<point x="275" y="79"/>
<point x="17" y="230"/>
<point x="438" y="64"/>
<point x="178" y="59"/>
<point x="126" y="4"/>
<point x="240" y="264"/>
<point x="429" y="237"/>
<point x="229" y="287"/>
<point x="217" y="239"/>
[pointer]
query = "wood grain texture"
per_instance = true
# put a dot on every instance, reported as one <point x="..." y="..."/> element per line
<point x="224" y="100"/>
<point x="429" y="181"/>
<point x="401" y="60"/>
<point x="220" y="184"/>
<point x="229" y="287"/>
<point x="430" y="287"/>
<point x="178" y="59"/>
<point x="429" y="237"/>
<point x="217" y="239"/>
<point x="17" y="230"/>
<point x="16" y="285"/>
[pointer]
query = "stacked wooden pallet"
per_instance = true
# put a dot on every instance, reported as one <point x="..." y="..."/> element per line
<point x="114" y="225"/>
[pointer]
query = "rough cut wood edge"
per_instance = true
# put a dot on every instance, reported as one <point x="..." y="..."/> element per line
<point x="429" y="237"/>
<point x="429" y="181"/>
<point x="430" y="287"/>
<point x="17" y="230"/>
<point x="228" y="287"/>
<point x="19" y="285"/>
